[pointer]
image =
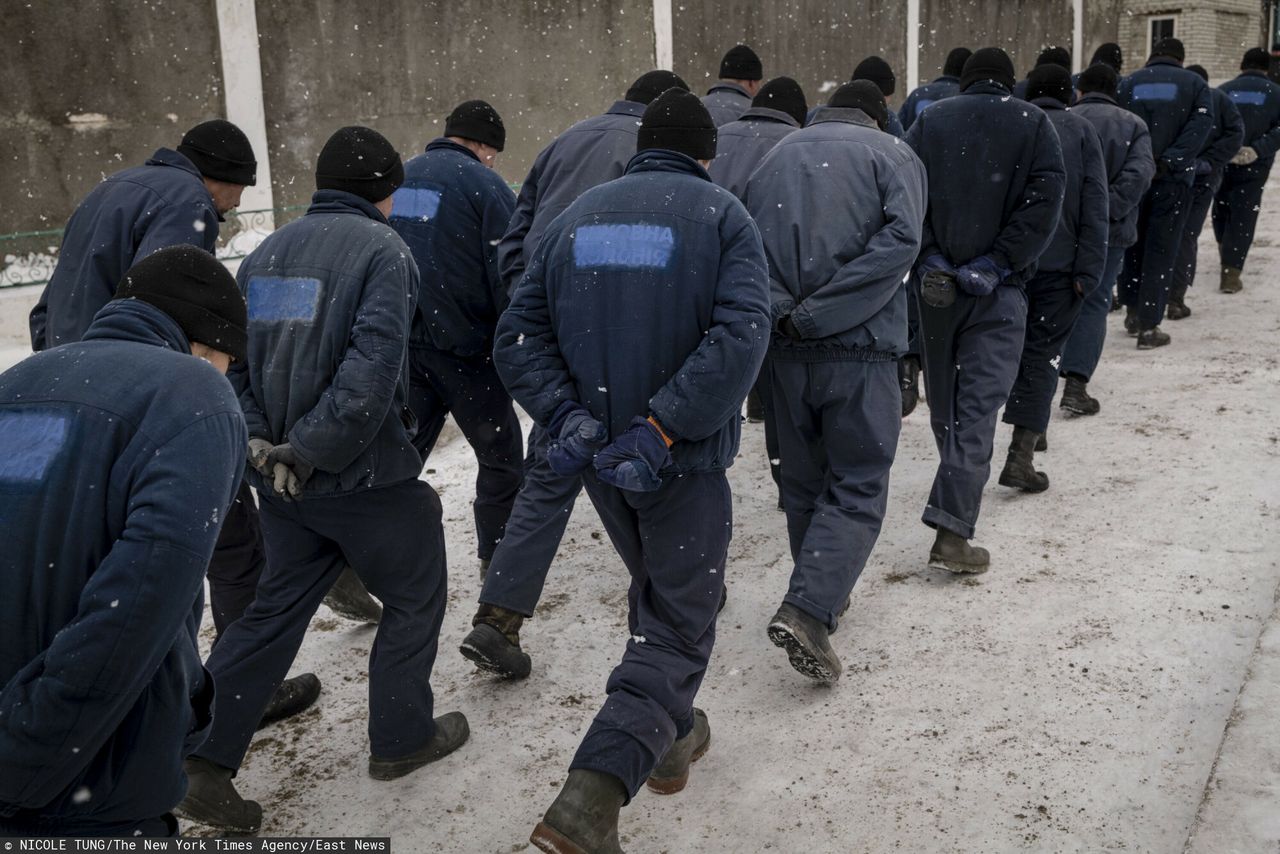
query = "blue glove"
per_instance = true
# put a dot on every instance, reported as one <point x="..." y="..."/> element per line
<point x="1202" y="167"/>
<point x="574" y="439"/>
<point x="981" y="276"/>
<point x="634" y="459"/>
<point x="935" y="263"/>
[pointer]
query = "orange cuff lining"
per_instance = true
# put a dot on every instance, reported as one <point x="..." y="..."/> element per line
<point x="663" y="433"/>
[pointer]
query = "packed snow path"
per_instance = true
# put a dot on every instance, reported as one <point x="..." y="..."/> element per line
<point x="1074" y="698"/>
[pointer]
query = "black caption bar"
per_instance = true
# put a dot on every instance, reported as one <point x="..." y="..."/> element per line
<point x="198" y="845"/>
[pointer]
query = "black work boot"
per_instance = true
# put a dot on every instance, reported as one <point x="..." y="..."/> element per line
<point x="494" y="642"/>
<point x="1076" y="399"/>
<point x="671" y="775"/>
<point x="583" y="819"/>
<point x="755" y="407"/>
<point x="293" y="697"/>
<point x="1131" y="320"/>
<point x="1149" y="339"/>
<point x="806" y="641"/>
<point x="212" y="799"/>
<point x="953" y="553"/>
<point x="1176" y="307"/>
<point x="1230" y="283"/>
<point x="1019" y="467"/>
<point x="348" y="598"/>
<point x="909" y="380"/>
<point x="1042" y="443"/>
<point x="451" y="733"/>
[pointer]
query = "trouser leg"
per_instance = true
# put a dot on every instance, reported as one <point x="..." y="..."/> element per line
<point x="533" y="533"/>
<point x="764" y="386"/>
<point x="425" y="402"/>
<point x="1184" y="271"/>
<point x="852" y="413"/>
<point x="801" y="445"/>
<point x="1084" y="345"/>
<point x="1052" y="306"/>
<point x="237" y="562"/>
<point x="1235" y="212"/>
<point x="972" y="350"/>
<point x="651" y="691"/>
<point x="1166" y="220"/>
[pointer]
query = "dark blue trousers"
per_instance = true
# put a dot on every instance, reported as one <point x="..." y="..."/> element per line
<point x="1235" y="211"/>
<point x="1084" y="345"/>
<point x="1052" y="307"/>
<point x="237" y="562"/>
<point x="838" y="426"/>
<point x="1149" y="263"/>
<point x="971" y="351"/>
<point x="159" y="827"/>
<point x="393" y="538"/>
<point x="533" y="534"/>
<point x="764" y="388"/>
<point x="674" y="542"/>
<point x="441" y="383"/>
<point x="1202" y="192"/>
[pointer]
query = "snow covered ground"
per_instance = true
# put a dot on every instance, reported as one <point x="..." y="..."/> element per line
<point x="1092" y="692"/>
<point x="1075" y="698"/>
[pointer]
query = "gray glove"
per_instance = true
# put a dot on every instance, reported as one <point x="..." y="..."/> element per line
<point x="1244" y="157"/>
<point x="289" y="471"/>
<point x="259" y="450"/>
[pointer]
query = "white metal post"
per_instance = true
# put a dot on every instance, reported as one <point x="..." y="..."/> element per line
<point x="663" y="37"/>
<point x="913" y="45"/>
<point x="242" y="90"/>
<point x="1077" y="35"/>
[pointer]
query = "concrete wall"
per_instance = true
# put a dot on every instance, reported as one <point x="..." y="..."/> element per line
<point x="1021" y="27"/>
<point x="401" y="67"/>
<point x="92" y="86"/>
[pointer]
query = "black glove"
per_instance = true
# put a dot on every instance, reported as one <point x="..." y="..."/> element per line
<point x="787" y="327"/>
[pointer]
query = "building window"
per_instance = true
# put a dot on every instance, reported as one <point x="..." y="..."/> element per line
<point x="1161" y="27"/>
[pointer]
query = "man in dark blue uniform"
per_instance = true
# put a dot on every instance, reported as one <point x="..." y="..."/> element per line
<point x="941" y="87"/>
<point x="591" y="152"/>
<point x="1239" y="199"/>
<point x="651" y="423"/>
<point x="1222" y="145"/>
<point x="1178" y="109"/>
<point x="996" y="181"/>
<point x="331" y="299"/>
<point x="451" y="212"/>
<point x="1070" y="267"/>
<point x="178" y="197"/>
<point x="741" y="75"/>
<point x="1126" y="147"/>
<point x="103" y="694"/>
<point x="840" y="207"/>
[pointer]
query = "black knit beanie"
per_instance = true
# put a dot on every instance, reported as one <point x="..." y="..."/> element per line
<point x="954" y="65"/>
<point x="785" y="95"/>
<point x="478" y="121"/>
<point x="677" y="121"/>
<point x="1099" y="77"/>
<point x="1199" y="71"/>
<point x="1049" y="81"/>
<point x="862" y="95"/>
<point x="1171" y="48"/>
<point x="359" y="160"/>
<point x="221" y="151"/>
<point x="741" y="63"/>
<point x="1255" y="59"/>
<point x="989" y="63"/>
<point x="193" y="288"/>
<point x="876" y="70"/>
<point x="651" y="84"/>
<point x="1109" y="53"/>
<point x="1059" y="56"/>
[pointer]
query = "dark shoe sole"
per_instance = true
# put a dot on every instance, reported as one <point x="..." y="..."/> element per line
<point x="1019" y="483"/>
<point x="473" y="650"/>
<point x="1143" y="345"/>
<point x="1077" y="410"/>
<point x="804" y="662"/>
<point x="202" y="813"/>
<point x="1230" y="290"/>
<point x="547" y="838"/>
<point x="956" y="567"/>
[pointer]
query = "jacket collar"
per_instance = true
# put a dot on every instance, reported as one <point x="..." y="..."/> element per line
<point x="626" y="108"/>
<point x="139" y="322"/>
<point x="1048" y="102"/>
<point x="847" y="115"/>
<point x="771" y="114"/>
<point x="986" y="87"/>
<point x="946" y="78"/>
<point x="1254" y="72"/>
<point x="169" y="157"/>
<point x="662" y="160"/>
<point x="340" y="201"/>
<point x="443" y="144"/>
<point x="1163" y="60"/>
<point x="726" y="86"/>
<point x="1097" y="98"/>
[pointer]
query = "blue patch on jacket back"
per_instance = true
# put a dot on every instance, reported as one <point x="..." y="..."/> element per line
<point x="629" y="246"/>
<point x="1155" y="92"/>
<point x="1256" y="99"/>
<point x="415" y="203"/>
<point x="33" y="440"/>
<point x="276" y="298"/>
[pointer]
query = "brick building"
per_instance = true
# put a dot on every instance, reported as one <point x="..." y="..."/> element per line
<point x="1216" y="32"/>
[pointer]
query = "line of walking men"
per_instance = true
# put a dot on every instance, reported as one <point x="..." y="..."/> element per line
<point x="814" y="255"/>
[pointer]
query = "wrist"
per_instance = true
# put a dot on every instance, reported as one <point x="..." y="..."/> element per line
<point x="653" y="422"/>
